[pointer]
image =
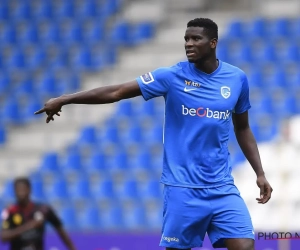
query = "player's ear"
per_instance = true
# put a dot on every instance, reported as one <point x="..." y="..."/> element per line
<point x="213" y="43"/>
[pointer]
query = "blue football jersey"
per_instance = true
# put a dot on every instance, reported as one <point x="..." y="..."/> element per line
<point x="198" y="110"/>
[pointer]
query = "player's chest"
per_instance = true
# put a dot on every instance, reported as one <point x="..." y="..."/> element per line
<point x="210" y="93"/>
<point x="20" y="218"/>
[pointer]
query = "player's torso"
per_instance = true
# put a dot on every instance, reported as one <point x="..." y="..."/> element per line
<point x="29" y="240"/>
<point x="211" y="99"/>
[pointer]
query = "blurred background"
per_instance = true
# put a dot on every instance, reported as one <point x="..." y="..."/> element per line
<point x="99" y="166"/>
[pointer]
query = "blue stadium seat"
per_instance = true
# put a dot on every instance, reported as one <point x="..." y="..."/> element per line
<point x="104" y="190"/>
<point x="3" y="134"/>
<point x="93" y="31"/>
<point x="17" y="59"/>
<point x="80" y="58"/>
<point x="35" y="57"/>
<point x="89" y="218"/>
<point x="110" y="7"/>
<point x="88" y="136"/>
<point x="125" y="108"/>
<point x="146" y="108"/>
<point x="258" y="28"/>
<point x="56" y="57"/>
<point x="72" y="162"/>
<point x="70" y="31"/>
<point x="20" y="10"/>
<point x="69" y="217"/>
<point x="27" y="32"/>
<point x="37" y="190"/>
<point x="236" y="29"/>
<point x="280" y="27"/>
<point x="11" y="112"/>
<point x="274" y="79"/>
<point x="8" y="33"/>
<point x="46" y="84"/>
<point x="80" y="190"/>
<point x="31" y="106"/>
<point x="62" y="9"/>
<point x="50" y="162"/>
<point x="25" y="86"/>
<point x="88" y="8"/>
<point x="151" y="190"/>
<point x="118" y="162"/>
<point x="154" y="135"/>
<point x="120" y="34"/>
<point x="133" y="135"/>
<point x="41" y="10"/>
<point x="134" y="217"/>
<point x="112" y="218"/>
<point x="110" y="133"/>
<point x="282" y="104"/>
<point x="8" y="193"/>
<point x="141" y="162"/>
<point x="96" y="163"/>
<point x="128" y="190"/>
<point x="48" y="32"/>
<point x="4" y="82"/>
<point x="153" y="216"/>
<point x="142" y="32"/>
<point x="58" y="190"/>
<point x="4" y="11"/>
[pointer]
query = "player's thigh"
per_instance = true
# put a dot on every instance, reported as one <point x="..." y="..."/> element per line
<point x="239" y="244"/>
<point x="186" y="217"/>
<point x="231" y="218"/>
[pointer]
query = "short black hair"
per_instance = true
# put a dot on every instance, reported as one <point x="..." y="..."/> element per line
<point x="24" y="180"/>
<point x="211" y="28"/>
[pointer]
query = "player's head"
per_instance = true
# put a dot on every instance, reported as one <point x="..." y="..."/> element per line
<point x="22" y="188"/>
<point x="201" y="37"/>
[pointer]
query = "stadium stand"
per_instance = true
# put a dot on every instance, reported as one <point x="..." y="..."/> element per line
<point x="108" y="179"/>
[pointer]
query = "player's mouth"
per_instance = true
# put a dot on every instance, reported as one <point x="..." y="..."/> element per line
<point x="190" y="53"/>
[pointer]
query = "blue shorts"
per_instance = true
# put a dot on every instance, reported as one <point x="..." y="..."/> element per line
<point x="189" y="213"/>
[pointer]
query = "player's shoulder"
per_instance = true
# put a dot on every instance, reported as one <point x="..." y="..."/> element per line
<point x="229" y="68"/>
<point x="42" y="206"/>
<point x="10" y="209"/>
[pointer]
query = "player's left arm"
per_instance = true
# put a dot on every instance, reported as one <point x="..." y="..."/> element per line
<point x="57" y="224"/>
<point x="249" y="147"/>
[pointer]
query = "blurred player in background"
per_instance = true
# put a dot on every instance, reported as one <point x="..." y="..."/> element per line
<point x="23" y="224"/>
<point x="202" y="96"/>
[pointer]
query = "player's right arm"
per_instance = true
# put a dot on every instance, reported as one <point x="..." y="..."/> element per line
<point x="101" y="95"/>
<point x="9" y="233"/>
<point x="149" y="85"/>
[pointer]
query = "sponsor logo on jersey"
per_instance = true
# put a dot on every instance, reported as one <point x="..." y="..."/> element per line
<point x="17" y="219"/>
<point x="147" y="78"/>
<point x="192" y="84"/>
<point x="206" y="112"/>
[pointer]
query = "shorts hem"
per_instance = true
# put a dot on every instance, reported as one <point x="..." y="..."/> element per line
<point x="180" y="246"/>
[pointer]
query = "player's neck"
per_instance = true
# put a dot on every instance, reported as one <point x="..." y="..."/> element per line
<point x="25" y="204"/>
<point x="208" y="66"/>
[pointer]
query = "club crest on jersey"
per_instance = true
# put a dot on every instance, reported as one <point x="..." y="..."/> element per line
<point x="225" y="92"/>
<point x="147" y="78"/>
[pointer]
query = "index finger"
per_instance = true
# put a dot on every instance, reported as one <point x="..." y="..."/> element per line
<point x="40" y="111"/>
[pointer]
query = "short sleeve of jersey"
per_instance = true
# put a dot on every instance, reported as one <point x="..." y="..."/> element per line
<point x="5" y="219"/>
<point x="243" y="103"/>
<point x="53" y="219"/>
<point x="155" y="83"/>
